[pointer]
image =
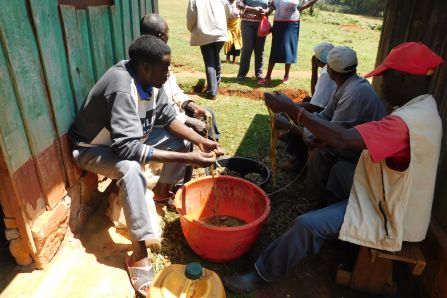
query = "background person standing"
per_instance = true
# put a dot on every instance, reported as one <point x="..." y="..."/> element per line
<point x="285" y="33"/>
<point x="234" y="44"/>
<point x="207" y="22"/>
<point x="251" y="14"/>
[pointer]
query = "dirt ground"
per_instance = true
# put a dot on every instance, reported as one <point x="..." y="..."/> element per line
<point x="295" y="94"/>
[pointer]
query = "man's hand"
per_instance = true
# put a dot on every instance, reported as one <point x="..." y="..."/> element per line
<point x="201" y="159"/>
<point x="197" y="110"/>
<point x="207" y="145"/>
<point x="278" y="103"/>
<point x="197" y="125"/>
<point x="312" y="143"/>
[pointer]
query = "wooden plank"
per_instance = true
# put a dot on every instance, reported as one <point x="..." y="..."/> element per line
<point x="23" y="60"/>
<point x="117" y="33"/>
<point x="50" y="40"/>
<point x="100" y="38"/>
<point x="78" y="53"/>
<point x="142" y="8"/>
<point x="410" y="253"/>
<point x="51" y="47"/>
<point x="13" y="206"/>
<point x="135" y="18"/>
<point x="435" y="249"/>
<point x="385" y="39"/>
<point x="374" y="277"/>
<point x="155" y="6"/>
<point x="86" y="45"/>
<point x="438" y="43"/>
<point x="82" y="4"/>
<point x="16" y="152"/>
<point x="119" y="8"/>
<point x="16" y="149"/>
<point x="126" y="25"/>
<point x="148" y="6"/>
<point x="71" y="169"/>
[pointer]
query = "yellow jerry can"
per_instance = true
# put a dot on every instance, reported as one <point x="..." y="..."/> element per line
<point x="186" y="281"/>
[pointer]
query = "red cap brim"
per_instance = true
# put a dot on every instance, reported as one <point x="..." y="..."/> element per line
<point x="377" y="71"/>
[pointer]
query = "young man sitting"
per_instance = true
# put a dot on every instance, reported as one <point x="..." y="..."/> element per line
<point x="111" y="136"/>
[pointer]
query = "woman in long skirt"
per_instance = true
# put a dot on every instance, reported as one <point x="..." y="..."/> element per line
<point x="285" y="33"/>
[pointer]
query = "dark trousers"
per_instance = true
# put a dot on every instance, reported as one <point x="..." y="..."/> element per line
<point x="296" y="146"/>
<point x="211" y="57"/>
<point x="321" y="161"/>
<point x="251" y="43"/>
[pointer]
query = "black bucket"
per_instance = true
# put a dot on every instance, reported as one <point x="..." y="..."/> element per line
<point x="244" y="166"/>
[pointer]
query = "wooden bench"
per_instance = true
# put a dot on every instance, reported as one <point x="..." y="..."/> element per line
<point x="373" y="270"/>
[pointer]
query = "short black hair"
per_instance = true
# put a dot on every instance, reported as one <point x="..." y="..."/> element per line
<point x="148" y="49"/>
<point x="152" y="24"/>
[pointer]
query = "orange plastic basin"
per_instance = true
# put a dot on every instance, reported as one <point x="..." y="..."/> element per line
<point x="237" y="197"/>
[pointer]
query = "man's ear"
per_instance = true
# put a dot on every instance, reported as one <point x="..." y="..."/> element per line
<point x="147" y="67"/>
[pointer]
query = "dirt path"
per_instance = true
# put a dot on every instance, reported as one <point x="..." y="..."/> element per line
<point x="276" y="73"/>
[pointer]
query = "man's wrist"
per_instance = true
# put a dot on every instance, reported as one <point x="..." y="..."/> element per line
<point x="188" y="104"/>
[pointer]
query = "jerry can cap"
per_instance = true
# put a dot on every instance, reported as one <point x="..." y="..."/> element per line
<point x="193" y="270"/>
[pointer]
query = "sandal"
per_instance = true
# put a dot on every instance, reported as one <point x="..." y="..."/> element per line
<point x="264" y="82"/>
<point x="140" y="277"/>
<point x="168" y="201"/>
<point x="285" y="80"/>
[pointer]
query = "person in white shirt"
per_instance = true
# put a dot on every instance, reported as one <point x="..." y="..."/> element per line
<point x="323" y="89"/>
<point x="207" y="22"/>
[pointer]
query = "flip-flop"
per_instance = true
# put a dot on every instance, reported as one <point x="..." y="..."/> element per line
<point x="139" y="276"/>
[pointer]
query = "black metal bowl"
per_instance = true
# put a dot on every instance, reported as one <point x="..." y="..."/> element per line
<point x="244" y="166"/>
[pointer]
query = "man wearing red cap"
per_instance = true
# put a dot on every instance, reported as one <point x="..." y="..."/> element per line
<point x="390" y="197"/>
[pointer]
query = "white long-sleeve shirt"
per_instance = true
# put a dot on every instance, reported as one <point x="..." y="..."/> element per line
<point x="207" y="21"/>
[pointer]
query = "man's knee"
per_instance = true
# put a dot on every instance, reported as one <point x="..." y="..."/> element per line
<point x="304" y="222"/>
<point x="317" y="157"/>
<point x="130" y="167"/>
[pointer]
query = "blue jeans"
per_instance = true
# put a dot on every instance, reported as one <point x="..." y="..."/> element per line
<point x="304" y="237"/>
<point x="211" y="57"/>
<point x="251" y="42"/>
<point x="308" y="232"/>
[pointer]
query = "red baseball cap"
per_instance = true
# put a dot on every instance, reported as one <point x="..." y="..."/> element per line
<point x="411" y="57"/>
